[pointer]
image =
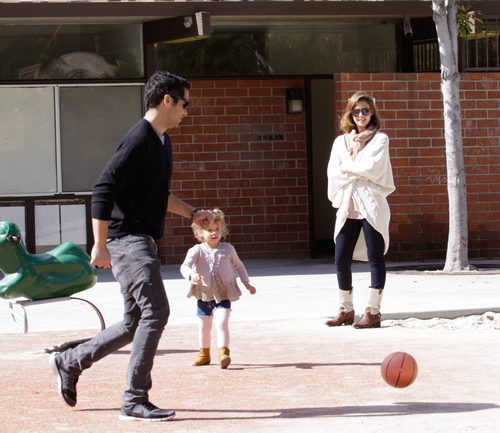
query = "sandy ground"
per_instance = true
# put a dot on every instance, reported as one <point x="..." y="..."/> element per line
<point x="488" y="320"/>
<point x="286" y="376"/>
<point x="290" y="373"/>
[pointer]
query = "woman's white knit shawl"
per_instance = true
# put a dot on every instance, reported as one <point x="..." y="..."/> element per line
<point x="367" y="180"/>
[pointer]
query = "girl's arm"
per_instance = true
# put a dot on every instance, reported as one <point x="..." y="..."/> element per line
<point x="240" y="269"/>
<point x="188" y="267"/>
<point x="250" y="288"/>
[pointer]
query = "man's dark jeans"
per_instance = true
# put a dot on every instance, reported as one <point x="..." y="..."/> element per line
<point x="136" y="267"/>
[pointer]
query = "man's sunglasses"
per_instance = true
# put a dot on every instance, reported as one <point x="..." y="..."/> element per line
<point x="185" y="103"/>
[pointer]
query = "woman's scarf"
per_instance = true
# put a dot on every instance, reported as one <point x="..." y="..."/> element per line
<point x="355" y="143"/>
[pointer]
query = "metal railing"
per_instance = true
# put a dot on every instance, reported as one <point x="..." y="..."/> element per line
<point x="482" y="47"/>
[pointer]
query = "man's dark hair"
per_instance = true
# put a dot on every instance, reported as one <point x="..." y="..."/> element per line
<point x="162" y="83"/>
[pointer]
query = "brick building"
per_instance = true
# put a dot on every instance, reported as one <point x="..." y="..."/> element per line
<point x="241" y="147"/>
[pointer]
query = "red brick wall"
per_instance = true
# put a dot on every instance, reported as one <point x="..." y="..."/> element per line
<point x="411" y="108"/>
<point x="239" y="150"/>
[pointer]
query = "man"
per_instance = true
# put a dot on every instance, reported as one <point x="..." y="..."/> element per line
<point x="129" y="204"/>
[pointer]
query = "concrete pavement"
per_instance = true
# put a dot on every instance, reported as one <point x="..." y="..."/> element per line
<point x="287" y="289"/>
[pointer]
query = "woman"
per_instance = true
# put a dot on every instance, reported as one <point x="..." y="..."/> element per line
<point x="359" y="181"/>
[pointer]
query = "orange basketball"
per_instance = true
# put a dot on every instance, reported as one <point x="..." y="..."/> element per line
<point x="399" y="369"/>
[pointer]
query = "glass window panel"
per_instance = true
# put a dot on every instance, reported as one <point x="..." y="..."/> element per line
<point x="284" y="49"/>
<point x="16" y="214"/>
<point x="93" y="120"/>
<point x="27" y="141"/>
<point x="73" y="224"/>
<point x="71" y="51"/>
<point x="59" y="221"/>
<point x="47" y="226"/>
<point x="323" y="49"/>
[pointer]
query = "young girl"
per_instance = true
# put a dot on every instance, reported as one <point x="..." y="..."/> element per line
<point x="211" y="267"/>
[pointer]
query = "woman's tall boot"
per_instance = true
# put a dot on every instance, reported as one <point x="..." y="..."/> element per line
<point x="345" y="315"/>
<point x="372" y="317"/>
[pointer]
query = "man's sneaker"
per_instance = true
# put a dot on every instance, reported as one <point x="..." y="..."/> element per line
<point x="145" y="412"/>
<point x="66" y="383"/>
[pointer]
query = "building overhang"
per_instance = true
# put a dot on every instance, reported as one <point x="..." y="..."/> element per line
<point x="124" y="11"/>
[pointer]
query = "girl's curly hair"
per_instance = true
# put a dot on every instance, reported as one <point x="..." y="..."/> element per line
<point x="218" y="219"/>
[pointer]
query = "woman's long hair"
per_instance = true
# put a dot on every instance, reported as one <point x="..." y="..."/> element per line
<point x="347" y="123"/>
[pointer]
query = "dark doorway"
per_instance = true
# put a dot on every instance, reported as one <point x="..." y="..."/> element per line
<point x="321" y="125"/>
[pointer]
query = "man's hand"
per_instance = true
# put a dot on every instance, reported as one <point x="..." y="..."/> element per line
<point x="202" y="216"/>
<point x="100" y="256"/>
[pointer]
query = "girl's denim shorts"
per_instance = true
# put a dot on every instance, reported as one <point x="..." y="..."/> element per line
<point x="206" y="308"/>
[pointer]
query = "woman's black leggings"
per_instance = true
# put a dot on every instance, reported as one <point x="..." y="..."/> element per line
<point x="344" y="248"/>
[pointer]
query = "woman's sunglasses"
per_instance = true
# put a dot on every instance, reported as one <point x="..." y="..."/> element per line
<point x="363" y="111"/>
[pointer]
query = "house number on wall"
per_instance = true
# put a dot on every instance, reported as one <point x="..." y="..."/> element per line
<point x="270" y="137"/>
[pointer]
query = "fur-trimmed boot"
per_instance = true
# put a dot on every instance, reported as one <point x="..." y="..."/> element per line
<point x="345" y="315"/>
<point x="224" y="358"/>
<point x="372" y="317"/>
<point x="203" y="357"/>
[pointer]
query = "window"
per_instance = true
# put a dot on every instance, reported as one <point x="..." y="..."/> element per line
<point x="14" y="211"/>
<point x="284" y="49"/>
<point x="56" y="139"/>
<point x="27" y="141"/>
<point x="93" y="120"/>
<point x="70" y="51"/>
<point x="58" y="222"/>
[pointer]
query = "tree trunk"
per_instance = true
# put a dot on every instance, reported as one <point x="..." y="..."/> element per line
<point x="444" y="15"/>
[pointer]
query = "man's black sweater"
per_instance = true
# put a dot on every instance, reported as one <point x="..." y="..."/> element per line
<point x="132" y="190"/>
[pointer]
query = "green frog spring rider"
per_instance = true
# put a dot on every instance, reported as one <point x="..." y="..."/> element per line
<point x="60" y="272"/>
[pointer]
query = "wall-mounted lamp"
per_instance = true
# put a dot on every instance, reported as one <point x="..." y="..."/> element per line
<point x="294" y="101"/>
